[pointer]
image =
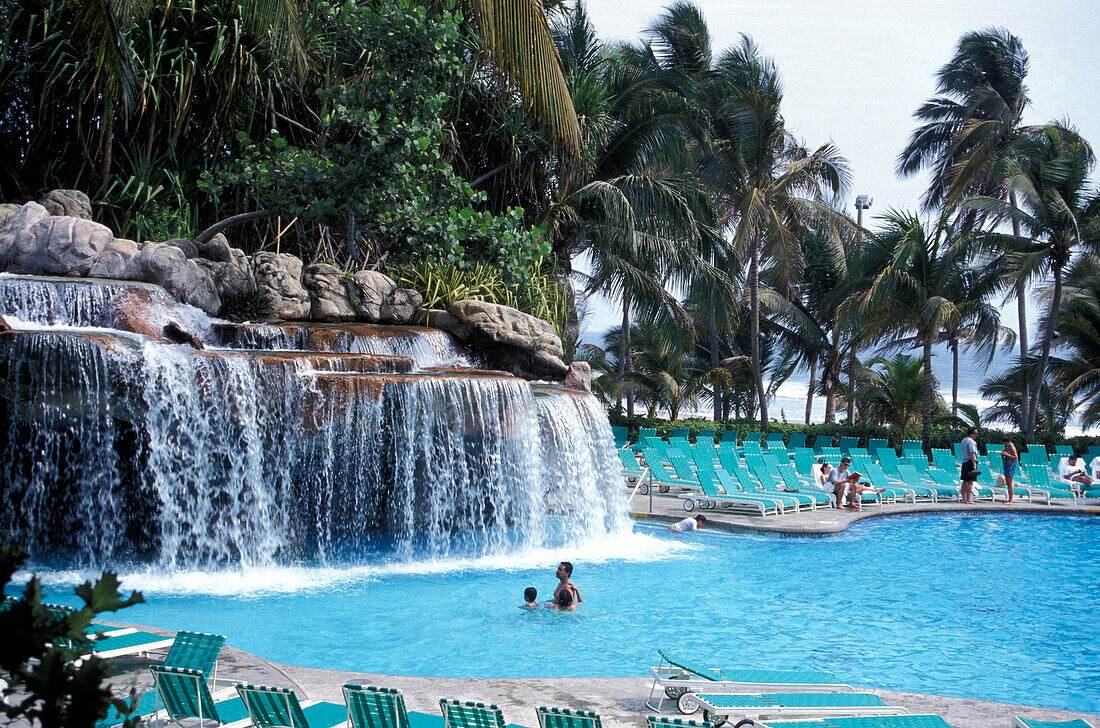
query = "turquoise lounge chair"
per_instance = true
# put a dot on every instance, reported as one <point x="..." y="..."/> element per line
<point x="632" y="471"/>
<point x="948" y="480"/>
<point x="775" y="441"/>
<point x="1040" y="477"/>
<point x="457" y="714"/>
<point x="910" y="478"/>
<point x="708" y="496"/>
<point x="868" y="721"/>
<point x="730" y="436"/>
<point x="676" y="677"/>
<point x="720" y="707"/>
<point x="196" y="651"/>
<point x="797" y="440"/>
<point x="270" y="707"/>
<point x="875" y="443"/>
<point x="735" y="485"/>
<point x="908" y="492"/>
<point x="566" y="718"/>
<point x="847" y="443"/>
<point x="681" y="432"/>
<point x="371" y="707"/>
<point x="1021" y="722"/>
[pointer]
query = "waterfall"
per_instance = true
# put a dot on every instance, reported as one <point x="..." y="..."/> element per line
<point x="119" y="451"/>
<point x="62" y="301"/>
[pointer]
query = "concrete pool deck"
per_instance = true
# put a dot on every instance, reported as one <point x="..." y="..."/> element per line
<point x="620" y="701"/>
<point x="831" y="521"/>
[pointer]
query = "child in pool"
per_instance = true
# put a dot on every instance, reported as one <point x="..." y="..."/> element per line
<point x="530" y="595"/>
<point x="563" y="602"/>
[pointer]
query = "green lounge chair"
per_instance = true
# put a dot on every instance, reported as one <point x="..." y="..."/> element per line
<point x="912" y="447"/>
<point x="1021" y="722"/>
<point x="720" y="707"/>
<point x="751" y="447"/>
<point x="909" y="492"/>
<point x="661" y="477"/>
<point x="947" y="480"/>
<point x="683" y="432"/>
<point x="676" y="677"/>
<point x="196" y="651"/>
<point x="566" y="718"/>
<point x="457" y="714"/>
<point x="185" y="695"/>
<point x="730" y="436"/>
<point x="621" y="435"/>
<point x="662" y="721"/>
<point x="753" y="437"/>
<point x="847" y="443"/>
<point x="867" y="721"/>
<point x="831" y="455"/>
<point x="270" y="707"/>
<point x="875" y="443"/>
<point x="371" y="707"/>
<point x="804" y="461"/>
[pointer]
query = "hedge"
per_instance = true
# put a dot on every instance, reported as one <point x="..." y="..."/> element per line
<point x="942" y="437"/>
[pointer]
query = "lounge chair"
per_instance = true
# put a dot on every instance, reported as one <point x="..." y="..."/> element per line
<point x="662" y="721"/>
<point x="660" y="476"/>
<point x="196" y="651"/>
<point x="708" y="496"/>
<point x="797" y="440"/>
<point x="909" y="492"/>
<point x="867" y="721"/>
<point x="730" y="436"/>
<point x="566" y="718"/>
<point x="912" y="447"/>
<point x="632" y="471"/>
<point x="719" y="707"/>
<point x="910" y="478"/>
<point x="123" y="643"/>
<point x="270" y="707"/>
<point x="875" y="443"/>
<point x="948" y="480"/>
<point x="1040" y="476"/>
<point x="775" y="441"/>
<point x="184" y="694"/>
<point x="620" y="435"/>
<point x="738" y="483"/>
<point x="847" y="443"/>
<point x="1021" y="722"/>
<point x="371" y="707"/>
<point x="457" y="714"/>
<point x="677" y="677"/>
<point x="683" y="432"/>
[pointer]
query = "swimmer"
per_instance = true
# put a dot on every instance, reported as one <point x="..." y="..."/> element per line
<point x="530" y="595"/>
<point x="689" y="524"/>
<point x="563" y="602"/>
<point x="565" y="582"/>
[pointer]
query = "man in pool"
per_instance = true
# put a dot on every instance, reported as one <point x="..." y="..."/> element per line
<point x="689" y="524"/>
<point x="565" y="583"/>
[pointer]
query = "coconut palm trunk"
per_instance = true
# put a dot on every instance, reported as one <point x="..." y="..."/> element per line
<point x="852" y="385"/>
<point x="754" y="305"/>
<point x="624" y="353"/>
<point x="712" y="331"/>
<point x="829" y="377"/>
<point x="810" y="390"/>
<point x="1021" y="314"/>
<point x="1044" y="357"/>
<point x="954" y="376"/>
<point x="926" y="400"/>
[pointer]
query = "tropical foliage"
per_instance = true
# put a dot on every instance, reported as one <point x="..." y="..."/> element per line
<point x="500" y="150"/>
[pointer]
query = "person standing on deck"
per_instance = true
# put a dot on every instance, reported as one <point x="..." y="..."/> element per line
<point x="970" y="465"/>
<point x="1010" y="458"/>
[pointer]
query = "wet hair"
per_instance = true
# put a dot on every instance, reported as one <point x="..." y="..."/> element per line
<point x="565" y="598"/>
<point x="530" y="594"/>
<point x="568" y="568"/>
<point x="701" y="519"/>
<point x="971" y="431"/>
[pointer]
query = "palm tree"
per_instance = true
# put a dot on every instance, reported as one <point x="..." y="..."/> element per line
<point x="1053" y="408"/>
<point x="767" y="187"/>
<point x="1059" y="213"/>
<point x="1078" y="371"/>
<point x="970" y="127"/>
<point x="926" y="285"/>
<point x="517" y="34"/>
<point x="891" y="392"/>
<point x="665" y="373"/>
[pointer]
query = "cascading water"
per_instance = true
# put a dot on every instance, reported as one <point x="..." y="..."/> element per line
<point x="122" y="448"/>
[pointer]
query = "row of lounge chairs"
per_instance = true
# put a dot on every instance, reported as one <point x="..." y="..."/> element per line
<point x="773" y="483"/>
<point x="725" y="694"/>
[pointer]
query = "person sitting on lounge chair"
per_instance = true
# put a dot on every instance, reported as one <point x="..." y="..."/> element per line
<point x="830" y="483"/>
<point x="1072" y="471"/>
<point x="855" y="487"/>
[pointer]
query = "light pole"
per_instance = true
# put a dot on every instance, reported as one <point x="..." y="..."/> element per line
<point x="863" y="202"/>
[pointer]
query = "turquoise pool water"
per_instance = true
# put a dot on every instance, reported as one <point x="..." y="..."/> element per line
<point x="995" y="607"/>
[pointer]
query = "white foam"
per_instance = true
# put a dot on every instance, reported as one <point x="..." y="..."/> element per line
<point x="256" y="581"/>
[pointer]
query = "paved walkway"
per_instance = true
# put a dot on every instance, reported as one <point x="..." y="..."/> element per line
<point x="619" y="700"/>
<point x="830" y="521"/>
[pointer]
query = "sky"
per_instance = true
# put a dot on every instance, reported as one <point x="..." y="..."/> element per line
<point x="854" y="72"/>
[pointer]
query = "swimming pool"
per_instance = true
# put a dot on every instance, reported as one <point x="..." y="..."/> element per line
<point x="998" y="607"/>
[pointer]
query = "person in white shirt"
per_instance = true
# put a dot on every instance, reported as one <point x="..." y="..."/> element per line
<point x="1094" y="468"/>
<point x="1072" y="471"/>
<point x="689" y="524"/>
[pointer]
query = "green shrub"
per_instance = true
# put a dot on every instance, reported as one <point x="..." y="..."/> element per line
<point x="942" y="437"/>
